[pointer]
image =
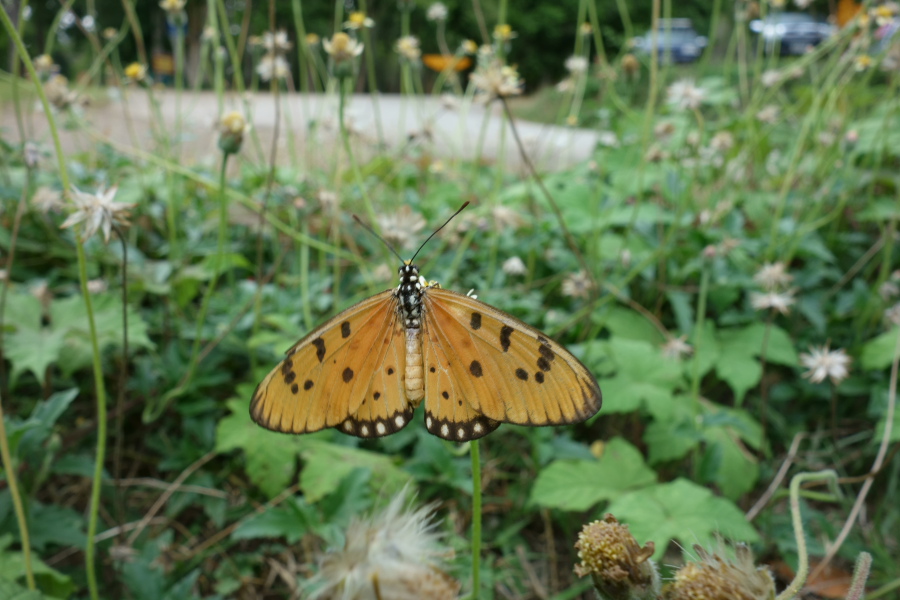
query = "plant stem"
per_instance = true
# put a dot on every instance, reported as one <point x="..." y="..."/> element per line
<point x="11" y="480"/>
<point x="100" y="389"/>
<point x="476" y="518"/>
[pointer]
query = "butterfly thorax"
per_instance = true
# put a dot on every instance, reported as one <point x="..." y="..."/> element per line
<point x="410" y="294"/>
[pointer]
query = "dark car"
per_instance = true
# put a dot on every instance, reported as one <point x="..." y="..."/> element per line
<point x="791" y="33"/>
<point x="675" y="38"/>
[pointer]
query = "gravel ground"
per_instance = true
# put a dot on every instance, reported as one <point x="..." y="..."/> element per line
<point x="308" y="130"/>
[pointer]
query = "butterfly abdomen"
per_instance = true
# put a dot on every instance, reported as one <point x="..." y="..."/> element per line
<point x="410" y="293"/>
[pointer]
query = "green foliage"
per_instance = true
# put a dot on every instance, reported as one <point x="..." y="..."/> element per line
<point x="649" y="273"/>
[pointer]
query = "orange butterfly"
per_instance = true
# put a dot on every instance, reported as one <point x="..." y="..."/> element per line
<point x="366" y="370"/>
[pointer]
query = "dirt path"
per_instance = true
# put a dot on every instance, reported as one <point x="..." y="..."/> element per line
<point x="309" y="133"/>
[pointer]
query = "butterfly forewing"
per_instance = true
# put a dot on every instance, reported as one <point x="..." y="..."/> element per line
<point x="501" y="369"/>
<point x="329" y="378"/>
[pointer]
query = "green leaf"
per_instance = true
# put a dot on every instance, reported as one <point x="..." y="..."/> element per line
<point x="51" y="524"/>
<point x="672" y="438"/>
<point x="643" y="378"/>
<point x="735" y="470"/>
<point x="680" y="511"/>
<point x="740" y="351"/>
<point x="290" y="520"/>
<point x="878" y="353"/>
<point x="44" y="417"/>
<point x="50" y="581"/>
<point x="13" y="591"/>
<point x="628" y="324"/>
<point x="270" y="457"/>
<point x="580" y="484"/>
<point x="70" y="315"/>
<point x="34" y="350"/>
<point x="326" y="465"/>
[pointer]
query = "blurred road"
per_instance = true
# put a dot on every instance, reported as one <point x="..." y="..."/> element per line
<point x="309" y="133"/>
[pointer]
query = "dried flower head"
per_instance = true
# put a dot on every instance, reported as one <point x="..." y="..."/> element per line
<point x="822" y="363"/>
<point x="493" y="80"/>
<point x="773" y="276"/>
<point x="514" y="266"/>
<point x="577" y="285"/>
<point x="277" y="42"/>
<point x="46" y="200"/>
<point x="437" y="12"/>
<point x="631" y="66"/>
<point x="97" y="286"/>
<point x="777" y="301"/>
<point x="685" y="95"/>
<point x="401" y="228"/>
<point x="468" y="47"/>
<point x="716" y="578"/>
<point x="506" y="218"/>
<point x="577" y="65"/>
<point x="395" y="554"/>
<point x="97" y="212"/>
<point x="342" y="48"/>
<point x="358" y="20"/>
<point x="58" y="92"/>
<point x="892" y="315"/>
<point x="862" y="62"/>
<point x="408" y="48"/>
<point x="769" y="114"/>
<point x="312" y="39"/>
<point x="619" y="566"/>
<point x="273" y="66"/>
<point x="677" y="348"/>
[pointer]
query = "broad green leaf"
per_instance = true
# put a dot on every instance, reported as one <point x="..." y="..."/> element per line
<point x="880" y="352"/>
<point x="270" y="457"/>
<point x="44" y="416"/>
<point x="643" y="378"/>
<point x="290" y="520"/>
<point x="327" y="464"/>
<point x="33" y="350"/>
<point x="14" y="591"/>
<point x="671" y="439"/>
<point x="628" y="324"/>
<point x="580" y="484"/>
<point x="52" y="524"/>
<point x="680" y="511"/>
<point x="736" y="470"/>
<point x="51" y="582"/>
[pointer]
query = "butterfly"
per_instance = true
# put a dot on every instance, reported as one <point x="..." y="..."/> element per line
<point x="366" y="370"/>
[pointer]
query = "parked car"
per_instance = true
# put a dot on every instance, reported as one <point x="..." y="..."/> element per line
<point x="790" y="32"/>
<point x="675" y="38"/>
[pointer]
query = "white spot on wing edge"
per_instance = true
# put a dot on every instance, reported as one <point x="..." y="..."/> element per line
<point x="380" y="428"/>
<point x="400" y="421"/>
<point x="445" y="430"/>
<point x="348" y="426"/>
<point x="477" y="428"/>
<point x="428" y="422"/>
<point x="364" y="430"/>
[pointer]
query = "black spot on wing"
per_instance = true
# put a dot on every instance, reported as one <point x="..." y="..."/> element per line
<point x="319" y="343"/>
<point x="475" y="369"/>
<point x="295" y="388"/>
<point x="307" y="384"/>
<point x="543" y="364"/>
<point x="475" y="323"/>
<point x="345" y="329"/>
<point x="505" y="334"/>
<point x="445" y="394"/>
<point x="522" y="374"/>
<point x="539" y="377"/>
<point x="347" y="375"/>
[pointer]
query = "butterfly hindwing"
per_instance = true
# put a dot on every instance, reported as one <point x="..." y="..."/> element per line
<point x="502" y="371"/>
<point x="329" y="378"/>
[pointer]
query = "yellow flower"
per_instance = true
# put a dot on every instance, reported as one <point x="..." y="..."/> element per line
<point x="586" y="28"/>
<point x="312" y="39"/>
<point x="571" y="120"/>
<point x="172" y="6"/>
<point x="884" y="14"/>
<point x="136" y="72"/>
<point x="358" y="20"/>
<point x="469" y="47"/>
<point x="232" y="129"/>
<point x="43" y="63"/>
<point x="495" y="80"/>
<point x="110" y="32"/>
<point x="342" y="48"/>
<point x="504" y="33"/>
<point x="862" y="62"/>
<point x="717" y="578"/>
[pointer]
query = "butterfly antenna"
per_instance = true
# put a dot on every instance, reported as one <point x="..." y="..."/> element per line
<point x="438" y="229"/>
<point x="383" y="241"/>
